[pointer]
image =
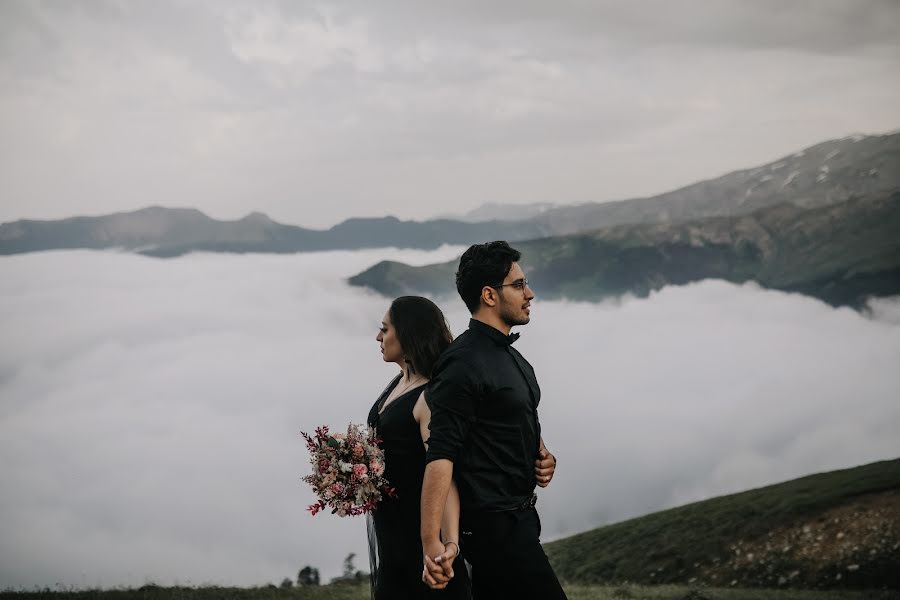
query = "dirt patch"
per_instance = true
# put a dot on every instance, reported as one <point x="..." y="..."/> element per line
<point x="854" y="545"/>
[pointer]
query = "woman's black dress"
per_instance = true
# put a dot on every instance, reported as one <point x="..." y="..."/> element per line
<point x="395" y="546"/>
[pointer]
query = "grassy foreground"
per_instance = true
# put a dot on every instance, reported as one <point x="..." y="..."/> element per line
<point x="361" y="592"/>
<point x="835" y="530"/>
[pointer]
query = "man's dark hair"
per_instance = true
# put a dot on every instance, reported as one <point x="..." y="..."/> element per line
<point x="483" y="265"/>
<point x="422" y="331"/>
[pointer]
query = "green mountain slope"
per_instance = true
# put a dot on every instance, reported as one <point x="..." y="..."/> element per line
<point x="839" y="253"/>
<point x="838" y="529"/>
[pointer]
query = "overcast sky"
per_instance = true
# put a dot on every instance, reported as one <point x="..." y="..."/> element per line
<point x="315" y="112"/>
<point x="150" y="409"/>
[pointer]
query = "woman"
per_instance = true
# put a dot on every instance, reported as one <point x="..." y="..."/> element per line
<point x="413" y="334"/>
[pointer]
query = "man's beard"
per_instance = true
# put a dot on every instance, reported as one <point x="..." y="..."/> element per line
<point x="510" y="316"/>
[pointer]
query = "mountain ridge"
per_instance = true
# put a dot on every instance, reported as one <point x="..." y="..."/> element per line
<point x="171" y="232"/>
<point x="826" y="173"/>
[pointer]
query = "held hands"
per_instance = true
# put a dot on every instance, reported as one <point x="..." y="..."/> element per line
<point x="544" y="467"/>
<point x="438" y="571"/>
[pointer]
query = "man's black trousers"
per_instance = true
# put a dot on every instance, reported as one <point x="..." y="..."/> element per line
<point x="507" y="559"/>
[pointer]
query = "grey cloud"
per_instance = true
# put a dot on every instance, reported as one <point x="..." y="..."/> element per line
<point x="704" y="390"/>
<point x="885" y="310"/>
<point x="150" y="409"/>
<point x="809" y="25"/>
<point x="315" y="113"/>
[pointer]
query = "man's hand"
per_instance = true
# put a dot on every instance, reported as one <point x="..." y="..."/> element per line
<point x="435" y="488"/>
<point x="438" y="564"/>
<point x="544" y="467"/>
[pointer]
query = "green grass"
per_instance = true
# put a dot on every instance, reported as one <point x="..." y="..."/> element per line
<point x="152" y="592"/>
<point x="670" y="592"/>
<point x="345" y="592"/>
<point x="684" y="542"/>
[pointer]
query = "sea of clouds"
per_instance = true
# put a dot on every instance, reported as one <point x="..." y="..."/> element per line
<point x="150" y="409"/>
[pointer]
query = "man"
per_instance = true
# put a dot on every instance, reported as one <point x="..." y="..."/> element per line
<point x="485" y="433"/>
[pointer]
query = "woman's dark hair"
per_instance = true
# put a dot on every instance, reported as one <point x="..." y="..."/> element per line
<point x="422" y="331"/>
<point x="483" y="265"/>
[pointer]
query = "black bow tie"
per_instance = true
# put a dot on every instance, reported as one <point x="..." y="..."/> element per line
<point x="512" y="337"/>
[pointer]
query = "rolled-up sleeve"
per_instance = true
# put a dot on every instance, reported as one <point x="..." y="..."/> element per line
<point x="451" y="396"/>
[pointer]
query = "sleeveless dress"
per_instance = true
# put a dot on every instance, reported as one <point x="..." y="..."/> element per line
<point x="395" y="546"/>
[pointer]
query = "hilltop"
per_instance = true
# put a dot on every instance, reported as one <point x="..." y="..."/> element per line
<point x="832" y="530"/>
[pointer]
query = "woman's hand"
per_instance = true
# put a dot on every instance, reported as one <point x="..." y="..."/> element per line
<point x="451" y="551"/>
<point x="438" y="571"/>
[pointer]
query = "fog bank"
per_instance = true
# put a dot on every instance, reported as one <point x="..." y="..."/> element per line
<point x="150" y="410"/>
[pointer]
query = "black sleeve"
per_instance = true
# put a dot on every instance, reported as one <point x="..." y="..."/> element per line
<point x="451" y="396"/>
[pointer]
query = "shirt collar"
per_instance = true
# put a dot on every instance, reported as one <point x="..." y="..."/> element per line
<point x="495" y="334"/>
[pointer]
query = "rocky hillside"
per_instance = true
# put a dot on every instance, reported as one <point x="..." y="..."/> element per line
<point x="841" y="253"/>
<point x="833" y="530"/>
<point x="824" y="174"/>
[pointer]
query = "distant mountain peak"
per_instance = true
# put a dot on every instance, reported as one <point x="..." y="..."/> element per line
<point x="495" y="211"/>
<point x="257" y="217"/>
<point x="367" y="221"/>
<point x="156" y="210"/>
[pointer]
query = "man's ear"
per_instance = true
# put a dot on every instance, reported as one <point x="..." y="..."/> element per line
<point x="489" y="296"/>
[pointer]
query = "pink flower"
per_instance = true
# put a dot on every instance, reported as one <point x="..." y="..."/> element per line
<point x="358" y="451"/>
<point x="376" y="467"/>
<point x="359" y="471"/>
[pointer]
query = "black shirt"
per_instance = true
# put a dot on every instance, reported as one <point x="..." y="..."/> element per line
<point x="483" y="397"/>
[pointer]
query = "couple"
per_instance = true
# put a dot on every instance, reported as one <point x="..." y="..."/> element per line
<point x="463" y="446"/>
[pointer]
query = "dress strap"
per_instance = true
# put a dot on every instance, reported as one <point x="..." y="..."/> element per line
<point x="387" y="392"/>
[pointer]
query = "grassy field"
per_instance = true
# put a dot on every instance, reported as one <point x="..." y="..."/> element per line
<point x="836" y="529"/>
<point x="347" y="592"/>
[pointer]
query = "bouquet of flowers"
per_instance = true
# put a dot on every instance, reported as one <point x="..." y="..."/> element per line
<point x="348" y="471"/>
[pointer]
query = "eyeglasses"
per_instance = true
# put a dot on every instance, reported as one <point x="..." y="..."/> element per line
<point x="518" y="284"/>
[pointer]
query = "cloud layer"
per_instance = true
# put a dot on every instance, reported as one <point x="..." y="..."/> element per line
<point x="318" y="112"/>
<point x="150" y="409"/>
